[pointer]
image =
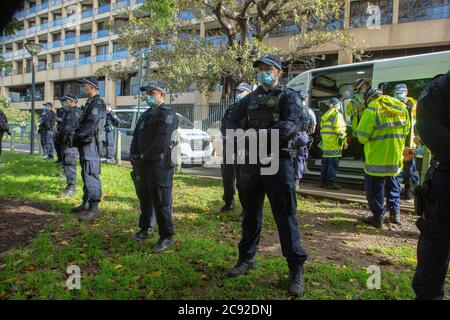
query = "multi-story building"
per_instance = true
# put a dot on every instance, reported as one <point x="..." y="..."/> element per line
<point x="74" y="48"/>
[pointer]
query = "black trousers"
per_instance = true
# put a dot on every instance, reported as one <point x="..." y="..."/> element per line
<point x="1" y="138"/>
<point x="230" y="177"/>
<point x="433" y="249"/>
<point x="153" y="182"/>
<point x="280" y="189"/>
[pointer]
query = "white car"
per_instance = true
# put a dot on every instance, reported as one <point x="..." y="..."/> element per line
<point x="195" y="144"/>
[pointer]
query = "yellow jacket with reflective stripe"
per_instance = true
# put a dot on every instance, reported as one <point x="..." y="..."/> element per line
<point x="333" y="132"/>
<point x="354" y="110"/>
<point x="383" y="129"/>
<point x="413" y="111"/>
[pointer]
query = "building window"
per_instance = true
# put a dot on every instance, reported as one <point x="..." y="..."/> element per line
<point x="359" y="15"/>
<point x="418" y="10"/>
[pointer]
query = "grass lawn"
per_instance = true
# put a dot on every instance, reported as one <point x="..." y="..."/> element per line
<point x="114" y="266"/>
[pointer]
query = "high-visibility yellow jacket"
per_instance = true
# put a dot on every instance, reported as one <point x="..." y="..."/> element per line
<point x="383" y="129"/>
<point x="333" y="132"/>
<point x="412" y="113"/>
<point x="354" y="110"/>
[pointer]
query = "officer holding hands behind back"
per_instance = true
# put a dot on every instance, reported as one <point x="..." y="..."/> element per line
<point x="151" y="157"/>
<point x="273" y="108"/>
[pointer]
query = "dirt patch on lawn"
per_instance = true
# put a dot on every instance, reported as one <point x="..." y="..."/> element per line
<point x="335" y="234"/>
<point x="21" y="221"/>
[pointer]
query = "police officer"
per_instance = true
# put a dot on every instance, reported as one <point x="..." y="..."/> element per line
<point x="86" y="139"/>
<point x="401" y="93"/>
<point x="273" y="108"/>
<point x="69" y="152"/>
<point x="112" y="121"/>
<point x="57" y="137"/>
<point x="333" y="133"/>
<point x="229" y="168"/>
<point x="4" y="127"/>
<point x="151" y="157"/>
<point x="433" y="250"/>
<point x="304" y="141"/>
<point x="382" y="129"/>
<point x="46" y="129"/>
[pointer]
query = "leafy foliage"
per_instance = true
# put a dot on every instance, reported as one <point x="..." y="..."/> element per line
<point x="182" y="56"/>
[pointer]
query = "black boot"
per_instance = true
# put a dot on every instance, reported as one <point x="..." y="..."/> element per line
<point x="162" y="245"/>
<point x="68" y="191"/>
<point x="376" y="222"/>
<point x="334" y="186"/>
<point x="395" y="217"/>
<point x="143" y="234"/>
<point x="81" y="208"/>
<point x="296" y="283"/>
<point x="91" y="214"/>
<point x="229" y="206"/>
<point x="242" y="267"/>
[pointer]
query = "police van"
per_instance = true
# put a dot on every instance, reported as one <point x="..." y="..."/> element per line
<point x="195" y="144"/>
<point x="324" y="83"/>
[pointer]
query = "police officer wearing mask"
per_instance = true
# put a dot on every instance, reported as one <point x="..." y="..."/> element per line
<point x="401" y="93"/>
<point x="304" y="141"/>
<point x="230" y="170"/>
<point x="433" y="203"/>
<point x="4" y="127"/>
<point x="151" y="157"/>
<point x="46" y="129"/>
<point x="112" y="121"/>
<point x="270" y="107"/>
<point x="69" y="152"/>
<point x="86" y="139"/>
<point x="57" y="138"/>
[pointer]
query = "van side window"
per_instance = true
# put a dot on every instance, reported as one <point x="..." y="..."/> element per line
<point x="415" y="87"/>
<point x="127" y="119"/>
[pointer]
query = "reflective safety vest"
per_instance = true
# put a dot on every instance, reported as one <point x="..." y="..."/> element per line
<point x="411" y="105"/>
<point x="354" y="110"/>
<point x="383" y="129"/>
<point x="333" y="132"/>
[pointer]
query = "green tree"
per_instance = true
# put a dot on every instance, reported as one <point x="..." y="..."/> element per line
<point x="10" y="29"/>
<point x="181" y="59"/>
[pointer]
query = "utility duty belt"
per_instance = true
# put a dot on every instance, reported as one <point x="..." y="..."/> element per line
<point x="427" y="206"/>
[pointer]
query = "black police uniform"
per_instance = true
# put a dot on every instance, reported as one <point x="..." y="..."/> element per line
<point x="433" y="251"/>
<point x="112" y="121"/>
<point x="152" y="168"/>
<point x="4" y="127"/>
<point x="46" y="129"/>
<point x="86" y="139"/>
<point x="272" y="109"/>
<point x="68" y="151"/>
<point x="57" y="137"/>
<point x="230" y="171"/>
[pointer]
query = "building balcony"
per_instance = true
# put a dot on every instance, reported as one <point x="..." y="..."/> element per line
<point x="43" y="26"/>
<point x="68" y="63"/>
<point x="54" y="44"/>
<point x="85" y="37"/>
<point x="86" y="14"/>
<point x="102" y="58"/>
<point x="120" y="55"/>
<point x="102" y="34"/>
<point x="122" y="4"/>
<point x="103" y="8"/>
<point x="84" y="60"/>
<point x="55" y="23"/>
<point x="55" y="3"/>
<point x="69" y="41"/>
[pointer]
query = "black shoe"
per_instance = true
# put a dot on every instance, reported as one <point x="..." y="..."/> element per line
<point x="334" y="186"/>
<point x="68" y="191"/>
<point x="143" y="234"/>
<point x="296" y="283"/>
<point x="81" y="208"/>
<point x="407" y="196"/>
<point x="162" y="245"/>
<point x="90" y="215"/>
<point x="323" y="185"/>
<point x="373" y="221"/>
<point x="228" y="207"/>
<point x="242" y="267"/>
<point x="395" y="217"/>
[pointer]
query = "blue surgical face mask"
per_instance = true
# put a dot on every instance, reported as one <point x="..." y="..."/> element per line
<point x="265" y="78"/>
<point x="240" y="96"/>
<point x="83" y="91"/>
<point x="151" y="101"/>
<point x="400" y="96"/>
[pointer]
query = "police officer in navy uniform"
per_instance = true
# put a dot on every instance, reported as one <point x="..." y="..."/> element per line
<point x="46" y="129"/>
<point x="433" y="203"/>
<point x="153" y="166"/>
<point x="87" y="140"/>
<point x="57" y="137"/>
<point x="112" y="121"/>
<point x="4" y="127"/>
<point x="229" y="168"/>
<point x="270" y="107"/>
<point x="68" y="151"/>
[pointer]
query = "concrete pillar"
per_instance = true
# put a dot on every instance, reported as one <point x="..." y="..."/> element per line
<point x="347" y="14"/>
<point x="395" y="11"/>
<point x="345" y="56"/>
<point x="48" y="91"/>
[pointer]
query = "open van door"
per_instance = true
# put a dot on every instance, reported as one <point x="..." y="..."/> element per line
<point x="126" y="126"/>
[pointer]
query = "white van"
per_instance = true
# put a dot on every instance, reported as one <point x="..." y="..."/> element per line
<point x="324" y="83"/>
<point x="195" y="144"/>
